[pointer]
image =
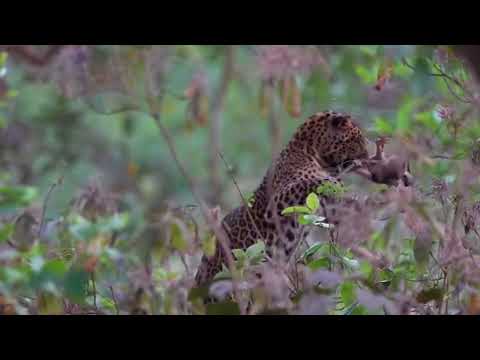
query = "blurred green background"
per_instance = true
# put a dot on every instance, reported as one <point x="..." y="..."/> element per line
<point x="74" y="117"/>
<point x="63" y="129"/>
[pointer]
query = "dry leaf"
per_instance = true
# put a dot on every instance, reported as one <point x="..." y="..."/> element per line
<point x="385" y="72"/>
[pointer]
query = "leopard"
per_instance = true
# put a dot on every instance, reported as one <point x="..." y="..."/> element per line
<point x="324" y="145"/>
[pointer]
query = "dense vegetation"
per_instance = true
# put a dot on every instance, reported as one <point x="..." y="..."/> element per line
<point x="114" y="158"/>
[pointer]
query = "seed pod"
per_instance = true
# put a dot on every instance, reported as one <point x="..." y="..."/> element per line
<point x="265" y="98"/>
<point x="473" y="307"/>
<point x="384" y="74"/>
<point x="291" y="96"/>
<point x="198" y="106"/>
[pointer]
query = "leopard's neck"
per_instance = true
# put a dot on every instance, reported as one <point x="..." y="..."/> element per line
<point x="290" y="163"/>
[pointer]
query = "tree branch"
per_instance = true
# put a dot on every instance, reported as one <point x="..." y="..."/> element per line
<point x="45" y="203"/>
<point x="245" y="202"/>
<point x="30" y="57"/>
<point x="218" y="230"/>
<point x="218" y="103"/>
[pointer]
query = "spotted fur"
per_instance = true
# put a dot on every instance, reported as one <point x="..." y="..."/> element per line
<point x="321" y="146"/>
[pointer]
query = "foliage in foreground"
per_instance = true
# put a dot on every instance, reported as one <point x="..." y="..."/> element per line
<point x="126" y="247"/>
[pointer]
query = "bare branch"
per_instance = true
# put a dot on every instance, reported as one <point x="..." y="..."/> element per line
<point x="245" y="202"/>
<point x="24" y="54"/>
<point x="114" y="300"/>
<point x="446" y="78"/>
<point x="218" y="103"/>
<point x="218" y="230"/>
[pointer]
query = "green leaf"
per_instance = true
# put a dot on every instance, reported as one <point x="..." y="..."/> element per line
<point x="367" y="75"/>
<point x="16" y="275"/>
<point x="274" y="312"/>
<point x="350" y="309"/>
<point x="75" y="287"/>
<point x="114" y="223"/>
<point x="378" y="241"/>
<point x="256" y="251"/>
<point x="312" y="250"/>
<point x="3" y="58"/>
<point x="422" y="66"/>
<point x="178" y="239"/>
<point x="313" y="202"/>
<point x="16" y="196"/>
<point x="358" y="310"/>
<point x="351" y="263"/>
<point x="209" y="245"/>
<point x="251" y="200"/>
<point x="110" y="103"/>
<point x="380" y="53"/>
<point x="296" y="210"/>
<point x="223" y="308"/>
<point x="404" y="115"/>
<point x="239" y="254"/>
<point x="12" y="94"/>
<point x="330" y="189"/>
<point x="37" y="263"/>
<point x="108" y="304"/>
<point x="56" y="268"/>
<point x="315" y="220"/>
<point x="382" y="126"/>
<point x="200" y="292"/>
<point x="222" y="275"/>
<point x="322" y="263"/>
<point x="367" y="50"/>
<point x="5" y="232"/>
<point x="348" y="293"/>
<point x="49" y="304"/>
<point x="401" y="70"/>
<point x="81" y="228"/>
<point x="427" y="118"/>
<point x="305" y="220"/>
<point x="366" y="268"/>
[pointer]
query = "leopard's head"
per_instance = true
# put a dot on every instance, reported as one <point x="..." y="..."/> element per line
<point x="333" y="138"/>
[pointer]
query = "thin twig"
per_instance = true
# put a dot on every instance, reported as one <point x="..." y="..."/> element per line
<point x="445" y="291"/>
<point x="218" y="104"/>
<point x="426" y="280"/>
<point x="94" y="290"/>
<point x="31" y="57"/>
<point x="184" y="262"/>
<point x="114" y="300"/>
<point x="45" y="203"/>
<point x="446" y="78"/>
<point x="436" y="261"/>
<point x="154" y="101"/>
<point x="245" y="202"/>
<point x="455" y="95"/>
<point x="405" y="62"/>
<point x="219" y="232"/>
<point x="449" y="77"/>
<point x="444" y="157"/>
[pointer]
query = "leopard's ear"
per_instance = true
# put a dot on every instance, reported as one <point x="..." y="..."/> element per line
<point x="322" y="115"/>
<point x="339" y="121"/>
